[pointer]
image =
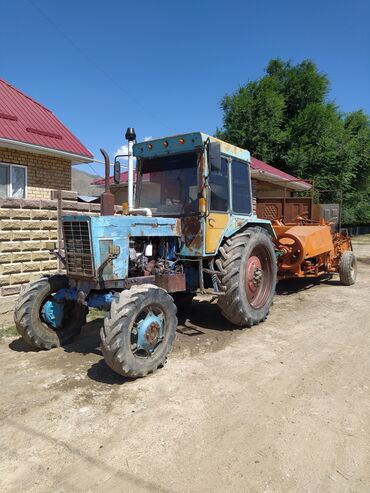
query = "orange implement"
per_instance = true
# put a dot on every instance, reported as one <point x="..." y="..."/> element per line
<point x="306" y="250"/>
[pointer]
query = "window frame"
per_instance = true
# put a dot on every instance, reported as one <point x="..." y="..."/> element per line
<point x="247" y="164"/>
<point x="138" y="181"/>
<point x="10" y="184"/>
<point x="229" y="208"/>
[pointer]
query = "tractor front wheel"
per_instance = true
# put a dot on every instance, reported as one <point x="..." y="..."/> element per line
<point x="139" y="331"/>
<point x="248" y="273"/>
<point x="34" y="326"/>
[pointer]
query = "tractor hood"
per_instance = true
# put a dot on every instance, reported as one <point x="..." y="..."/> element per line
<point x="89" y="241"/>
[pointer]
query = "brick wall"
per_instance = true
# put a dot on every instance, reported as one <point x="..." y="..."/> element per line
<point x="43" y="172"/>
<point x="27" y="226"/>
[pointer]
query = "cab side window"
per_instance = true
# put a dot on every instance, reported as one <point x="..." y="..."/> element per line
<point x="219" y="184"/>
<point x="241" y="191"/>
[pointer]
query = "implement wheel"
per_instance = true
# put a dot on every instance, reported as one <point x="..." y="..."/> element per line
<point x="29" y="314"/>
<point x="348" y="268"/>
<point x="139" y="331"/>
<point x="248" y="271"/>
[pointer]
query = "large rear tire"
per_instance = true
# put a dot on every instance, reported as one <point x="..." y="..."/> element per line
<point x="248" y="274"/>
<point x="348" y="268"/>
<point x="139" y="331"/>
<point x="28" y="314"/>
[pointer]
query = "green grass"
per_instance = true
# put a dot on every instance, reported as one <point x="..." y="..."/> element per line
<point x="94" y="314"/>
<point x="8" y="332"/>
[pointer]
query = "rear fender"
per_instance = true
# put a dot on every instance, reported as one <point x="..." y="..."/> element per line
<point x="238" y="226"/>
<point x="235" y="224"/>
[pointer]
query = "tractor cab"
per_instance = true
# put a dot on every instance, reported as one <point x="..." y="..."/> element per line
<point x="201" y="180"/>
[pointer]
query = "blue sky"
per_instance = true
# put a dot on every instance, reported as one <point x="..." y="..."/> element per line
<point x="163" y="66"/>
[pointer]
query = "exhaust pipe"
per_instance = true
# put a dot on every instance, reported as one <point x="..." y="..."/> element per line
<point x="131" y="137"/>
<point x="107" y="198"/>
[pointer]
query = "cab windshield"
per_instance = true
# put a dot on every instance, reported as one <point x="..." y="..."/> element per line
<point x="169" y="185"/>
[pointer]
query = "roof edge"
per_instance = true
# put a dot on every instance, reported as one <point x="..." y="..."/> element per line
<point x="295" y="184"/>
<point x="16" y="144"/>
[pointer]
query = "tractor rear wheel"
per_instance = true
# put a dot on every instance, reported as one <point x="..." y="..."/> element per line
<point x="248" y="273"/>
<point x="31" y="323"/>
<point x="139" y="331"/>
<point x="348" y="268"/>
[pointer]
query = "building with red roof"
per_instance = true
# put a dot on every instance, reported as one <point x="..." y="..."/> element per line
<point x="36" y="149"/>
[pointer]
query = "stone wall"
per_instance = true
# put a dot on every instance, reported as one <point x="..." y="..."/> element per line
<point x="43" y="172"/>
<point x="27" y="226"/>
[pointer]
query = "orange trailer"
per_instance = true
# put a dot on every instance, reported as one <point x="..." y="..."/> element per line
<point x="311" y="249"/>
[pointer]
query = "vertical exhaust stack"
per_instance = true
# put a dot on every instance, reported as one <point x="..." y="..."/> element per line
<point x="107" y="198"/>
<point x="131" y="137"/>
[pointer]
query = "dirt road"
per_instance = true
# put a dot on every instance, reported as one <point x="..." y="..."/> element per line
<point x="282" y="407"/>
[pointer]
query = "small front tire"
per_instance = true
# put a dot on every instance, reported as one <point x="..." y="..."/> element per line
<point x="28" y="317"/>
<point x="139" y="331"/>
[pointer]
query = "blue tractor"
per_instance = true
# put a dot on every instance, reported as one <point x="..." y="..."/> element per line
<point x="188" y="228"/>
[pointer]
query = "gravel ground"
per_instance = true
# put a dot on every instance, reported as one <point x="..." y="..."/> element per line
<point x="282" y="407"/>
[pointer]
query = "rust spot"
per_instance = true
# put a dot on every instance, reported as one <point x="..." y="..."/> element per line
<point x="177" y="227"/>
<point x="171" y="282"/>
<point x="229" y="148"/>
<point x="192" y="232"/>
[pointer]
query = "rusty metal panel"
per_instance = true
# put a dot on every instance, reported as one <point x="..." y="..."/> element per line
<point x="192" y="234"/>
<point x="314" y="239"/>
<point x="171" y="282"/>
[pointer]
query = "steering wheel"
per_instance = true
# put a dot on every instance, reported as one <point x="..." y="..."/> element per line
<point x="293" y="251"/>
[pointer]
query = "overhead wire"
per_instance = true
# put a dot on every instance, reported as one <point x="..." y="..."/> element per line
<point x="95" y="64"/>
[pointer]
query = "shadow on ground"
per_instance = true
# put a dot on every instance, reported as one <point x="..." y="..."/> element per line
<point x="201" y="328"/>
<point x="292" y="286"/>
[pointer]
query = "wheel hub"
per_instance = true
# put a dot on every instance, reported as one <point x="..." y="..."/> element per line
<point x="258" y="277"/>
<point x="53" y="313"/>
<point x="254" y="273"/>
<point x="153" y="333"/>
<point x="149" y="332"/>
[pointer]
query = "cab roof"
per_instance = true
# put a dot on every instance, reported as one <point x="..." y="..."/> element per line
<point x="186" y="143"/>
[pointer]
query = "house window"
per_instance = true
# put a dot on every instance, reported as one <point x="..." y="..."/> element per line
<point x="13" y="181"/>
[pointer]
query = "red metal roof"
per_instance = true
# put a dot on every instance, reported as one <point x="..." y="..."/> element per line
<point x="123" y="178"/>
<point x="260" y="165"/>
<point x="24" y="120"/>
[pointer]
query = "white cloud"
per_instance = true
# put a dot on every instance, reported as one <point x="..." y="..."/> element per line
<point x="124" y="150"/>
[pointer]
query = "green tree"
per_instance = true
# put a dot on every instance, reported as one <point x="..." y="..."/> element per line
<point x="286" y="119"/>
